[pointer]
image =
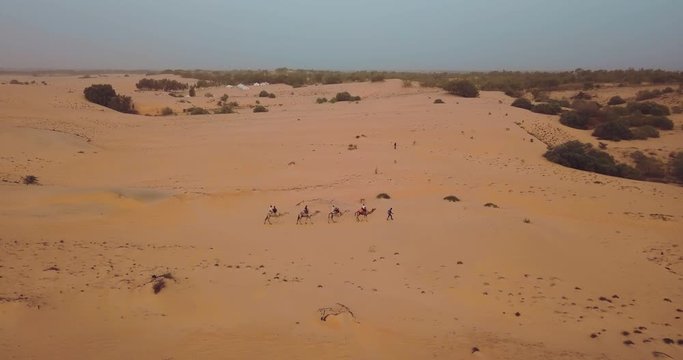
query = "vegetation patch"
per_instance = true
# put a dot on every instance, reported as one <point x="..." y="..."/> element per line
<point x="451" y="198"/>
<point x="463" y="88"/>
<point x="577" y="155"/>
<point x="439" y="101"/>
<point x="522" y="103"/>
<point x="383" y="196"/>
<point x="162" y="84"/>
<point x="260" y="109"/>
<point x="30" y="180"/>
<point x="345" y="96"/>
<point x="105" y="95"/>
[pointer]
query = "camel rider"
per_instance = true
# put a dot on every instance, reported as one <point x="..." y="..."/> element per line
<point x="306" y="209"/>
<point x="364" y="209"/>
<point x="270" y="209"/>
<point x="274" y="210"/>
<point x="335" y="210"/>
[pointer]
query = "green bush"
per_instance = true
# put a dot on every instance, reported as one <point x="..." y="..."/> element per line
<point x="547" y="108"/>
<point x="648" y="108"/>
<point x="439" y="101"/>
<point x="345" y="96"/>
<point x="163" y="84"/>
<point x="575" y="120"/>
<point x="464" y="88"/>
<point x="648" y="166"/>
<point x="225" y="109"/>
<point x="660" y="122"/>
<point x="644" y="132"/>
<point x="647" y="94"/>
<point x="676" y="165"/>
<point x="321" y="100"/>
<point x="577" y="155"/>
<point x="616" y="100"/>
<point x="522" y="103"/>
<point x="263" y="93"/>
<point x="195" y="110"/>
<point x="260" y="108"/>
<point x="613" y="130"/>
<point x="99" y="93"/>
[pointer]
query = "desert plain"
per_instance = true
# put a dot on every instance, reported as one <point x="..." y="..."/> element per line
<point x="562" y="264"/>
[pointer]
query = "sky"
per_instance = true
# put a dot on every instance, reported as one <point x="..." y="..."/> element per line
<point x="416" y="35"/>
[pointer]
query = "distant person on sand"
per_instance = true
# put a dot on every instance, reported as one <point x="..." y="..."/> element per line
<point x="390" y="214"/>
<point x="394" y="146"/>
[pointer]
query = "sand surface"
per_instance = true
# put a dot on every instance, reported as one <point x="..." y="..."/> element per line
<point x="122" y="197"/>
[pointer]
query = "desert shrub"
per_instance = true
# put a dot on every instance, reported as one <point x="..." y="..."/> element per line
<point x="574" y="120"/>
<point x="345" y="96"/>
<point x="167" y="111"/>
<point x="196" y="110"/>
<point x="616" y="100"/>
<point x="263" y="93"/>
<point x="208" y="94"/>
<point x="676" y="109"/>
<point x="585" y="107"/>
<point x="582" y="96"/>
<point x="660" y="122"/>
<point x="15" y="82"/>
<point x="647" y="94"/>
<point x="377" y="78"/>
<point x="206" y="83"/>
<point x="321" y="100"/>
<point x="648" y="108"/>
<point x="522" y="103"/>
<point x="547" y="108"/>
<point x="332" y="79"/>
<point x="648" y="166"/>
<point x="613" y="130"/>
<point x="439" y="101"/>
<point x="99" y="93"/>
<point x="225" y="109"/>
<point x="224" y="98"/>
<point x="193" y="92"/>
<point x="676" y="165"/>
<point x="352" y="147"/>
<point x="560" y="102"/>
<point x="163" y="84"/>
<point x="260" y="108"/>
<point x="383" y="196"/>
<point x="464" y="88"/>
<point x="271" y="95"/>
<point x="407" y="83"/>
<point x="451" y="198"/>
<point x="667" y="90"/>
<point x="122" y="103"/>
<point x="577" y="155"/>
<point x="30" y="180"/>
<point x="644" y="132"/>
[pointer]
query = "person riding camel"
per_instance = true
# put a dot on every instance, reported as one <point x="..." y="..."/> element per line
<point x="364" y="209"/>
<point x="335" y="210"/>
<point x="274" y="210"/>
<point x="306" y="209"/>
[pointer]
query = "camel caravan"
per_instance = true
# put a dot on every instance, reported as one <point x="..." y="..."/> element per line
<point x="305" y="216"/>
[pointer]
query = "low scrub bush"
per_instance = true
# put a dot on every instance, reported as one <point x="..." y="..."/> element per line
<point x="647" y="94"/>
<point x="167" y="111"/>
<point x="616" y="100"/>
<point x="660" y="122"/>
<point x="613" y="130"/>
<point x="383" y="196"/>
<point x="547" y="108"/>
<point x="439" y="101"/>
<point x="105" y="95"/>
<point x="377" y="78"/>
<point x="464" y="88"/>
<point x="577" y="155"/>
<point x="29" y="180"/>
<point x="321" y="100"/>
<point x="260" y="109"/>
<point x="345" y="96"/>
<point x="676" y="109"/>
<point x="644" y="132"/>
<point x="676" y="165"/>
<point x="162" y="84"/>
<point x="648" y="108"/>
<point x="575" y="120"/>
<point x="264" y="93"/>
<point x="451" y="198"/>
<point x="225" y="109"/>
<point x="522" y="103"/>
<point x="650" y="167"/>
<point x="196" y="110"/>
<point x="582" y="96"/>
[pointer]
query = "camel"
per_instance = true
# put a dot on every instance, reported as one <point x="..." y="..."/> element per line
<point x="306" y="217"/>
<point x="364" y="214"/>
<point x="273" y="215"/>
<point x="332" y="214"/>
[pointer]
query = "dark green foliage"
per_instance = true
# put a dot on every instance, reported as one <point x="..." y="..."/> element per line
<point x="582" y="96"/>
<point x="585" y="107"/>
<point x="547" y="108"/>
<point x="660" y="122"/>
<point x="648" y="108"/>
<point x="451" y="198"/>
<point x="29" y="180"/>
<point x="99" y="94"/>
<point x="574" y="120"/>
<point x="676" y="165"/>
<point x="105" y="95"/>
<point x="522" y="103"/>
<point x="439" y="101"/>
<point x="193" y="92"/>
<point x="321" y="100"/>
<point x="195" y="110"/>
<point x="616" y="100"/>
<point x="264" y="93"/>
<point x="613" y="130"/>
<point x="225" y="109"/>
<point x="260" y="108"/>
<point x="648" y="94"/>
<point x="383" y="196"/>
<point x="464" y="88"/>
<point x="648" y="166"/>
<point x="167" y="111"/>
<point x="377" y="78"/>
<point x="577" y="155"/>
<point x="644" y="132"/>
<point x="122" y="103"/>
<point x="345" y="96"/>
<point x="561" y="103"/>
<point x="163" y="84"/>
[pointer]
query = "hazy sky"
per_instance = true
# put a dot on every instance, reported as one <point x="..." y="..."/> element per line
<point x="342" y="34"/>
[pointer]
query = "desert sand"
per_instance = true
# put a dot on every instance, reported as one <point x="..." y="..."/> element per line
<point x="569" y="265"/>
